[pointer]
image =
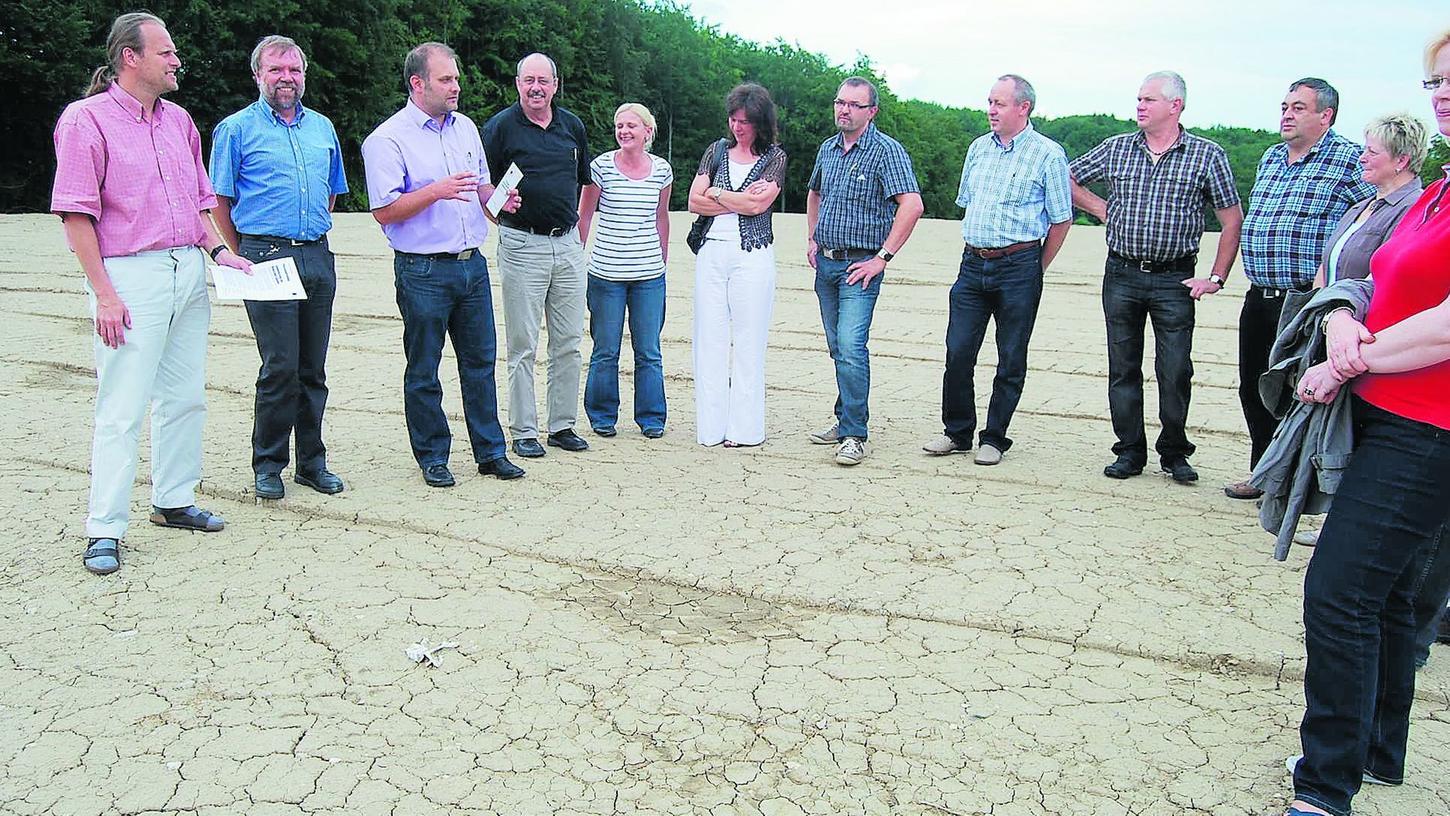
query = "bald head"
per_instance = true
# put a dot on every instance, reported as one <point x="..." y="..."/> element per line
<point x="537" y="81"/>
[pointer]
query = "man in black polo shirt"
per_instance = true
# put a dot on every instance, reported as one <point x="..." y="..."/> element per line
<point x="540" y="256"/>
<point x="1159" y="179"/>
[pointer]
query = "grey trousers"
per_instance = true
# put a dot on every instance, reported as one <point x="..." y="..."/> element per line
<point x="544" y="282"/>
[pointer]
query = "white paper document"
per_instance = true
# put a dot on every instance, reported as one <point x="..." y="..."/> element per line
<point x="270" y="280"/>
<point x="505" y="186"/>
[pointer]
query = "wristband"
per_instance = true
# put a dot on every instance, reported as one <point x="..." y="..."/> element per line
<point x="217" y="250"/>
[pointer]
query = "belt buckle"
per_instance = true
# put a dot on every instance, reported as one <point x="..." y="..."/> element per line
<point x="1145" y="265"/>
<point x="556" y="232"/>
<point x="980" y="252"/>
<point x="465" y="254"/>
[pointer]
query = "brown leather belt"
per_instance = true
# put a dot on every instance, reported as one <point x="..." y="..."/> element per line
<point x="1001" y="252"/>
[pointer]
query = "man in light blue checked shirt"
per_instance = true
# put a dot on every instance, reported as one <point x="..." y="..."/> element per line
<point x="1018" y="199"/>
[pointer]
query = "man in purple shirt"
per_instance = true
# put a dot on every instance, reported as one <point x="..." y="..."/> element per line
<point x="130" y="190"/>
<point x="427" y="182"/>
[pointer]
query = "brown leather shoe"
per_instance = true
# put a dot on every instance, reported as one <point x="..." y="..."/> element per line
<point x="1242" y="490"/>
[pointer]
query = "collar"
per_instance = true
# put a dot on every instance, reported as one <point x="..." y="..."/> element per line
<point x="868" y="138"/>
<point x="525" y="120"/>
<point x="420" y="118"/>
<point x="131" y="104"/>
<point x="1142" y="139"/>
<point x="272" y="116"/>
<point x="1413" y="187"/>
<point x="1013" y="146"/>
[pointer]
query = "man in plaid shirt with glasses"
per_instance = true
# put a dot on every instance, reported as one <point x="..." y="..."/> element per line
<point x="1159" y="180"/>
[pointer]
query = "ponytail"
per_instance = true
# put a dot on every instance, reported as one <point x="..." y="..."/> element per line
<point x="100" y="80"/>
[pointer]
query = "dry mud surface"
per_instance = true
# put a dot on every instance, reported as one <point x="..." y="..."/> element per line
<point x="652" y="626"/>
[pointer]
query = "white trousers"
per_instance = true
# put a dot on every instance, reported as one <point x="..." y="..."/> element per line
<point x="734" y="295"/>
<point x="161" y="364"/>
<point x="542" y="277"/>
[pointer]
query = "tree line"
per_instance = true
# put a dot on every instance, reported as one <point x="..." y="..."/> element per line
<point x="608" y="52"/>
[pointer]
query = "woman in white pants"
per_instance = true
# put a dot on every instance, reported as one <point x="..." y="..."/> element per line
<point x="735" y="271"/>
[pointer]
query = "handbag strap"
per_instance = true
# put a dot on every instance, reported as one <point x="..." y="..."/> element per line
<point x="719" y="159"/>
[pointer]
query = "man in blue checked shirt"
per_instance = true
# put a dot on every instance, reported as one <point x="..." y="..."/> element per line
<point x="862" y="204"/>
<point x="1304" y="185"/>
<point x="277" y="170"/>
<point x="1018" y="199"/>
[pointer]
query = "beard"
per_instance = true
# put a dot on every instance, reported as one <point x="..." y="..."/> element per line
<point x="272" y="96"/>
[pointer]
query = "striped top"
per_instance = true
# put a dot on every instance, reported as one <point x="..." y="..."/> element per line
<point x="626" y="237"/>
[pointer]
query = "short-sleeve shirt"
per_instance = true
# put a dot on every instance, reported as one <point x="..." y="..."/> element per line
<point x="858" y="189"/>
<point x="626" y="235"/>
<point x="1294" y="208"/>
<point x="1155" y="209"/>
<point x="141" y="179"/>
<point x="409" y="151"/>
<point x="554" y="161"/>
<point x="280" y="175"/>
<point x="1012" y="194"/>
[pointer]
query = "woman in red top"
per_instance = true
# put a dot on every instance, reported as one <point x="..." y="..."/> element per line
<point x="1379" y="561"/>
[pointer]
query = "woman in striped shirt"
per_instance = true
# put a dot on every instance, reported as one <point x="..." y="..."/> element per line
<point x="628" y="206"/>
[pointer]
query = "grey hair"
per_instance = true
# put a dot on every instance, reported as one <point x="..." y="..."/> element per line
<point x="1402" y="135"/>
<point x="276" y="42"/>
<point x="553" y="68"/>
<point x="1324" y="95"/>
<point x="125" y="33"/>
<point x="863" y="82"/>
<point x="416" y="63"/>
<point x="1173" y="85"/>
<point x="1022" y="91"/>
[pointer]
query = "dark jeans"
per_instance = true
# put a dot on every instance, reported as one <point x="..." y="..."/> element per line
<point x="1367" y="576"/>
<point x="438" y="297"/>
<point x="1258" y="328"/>
<point x="292" y="338"/>
<point x="1130" y="296"/>
<point x="1431" y="600"/>
<point x="643" y="302"/>
<point x="846" y="311"/>
<point x="1007" y="290"/>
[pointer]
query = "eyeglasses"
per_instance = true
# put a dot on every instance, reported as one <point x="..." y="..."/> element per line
<point x="841" y="103"/>
<point x="1434" y="83"/>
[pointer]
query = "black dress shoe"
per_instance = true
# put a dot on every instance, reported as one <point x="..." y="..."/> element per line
<point x="1123" y="468"/>
<point x="568" y="440"/>
<point x="1181" y="471"/>
<point x="528" y="448"/>
<point x="502" y="468"/>
<point x="323" y="481"/>
<point x="438" y="475"/>
<point x="653" y="433"/>
<point x="269" y="486"/>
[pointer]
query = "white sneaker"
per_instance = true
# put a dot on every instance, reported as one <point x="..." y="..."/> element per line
<point x="1306" y="538"/>
<point x="988" y="454"/>
<point x="830" y="436"/>
<point x="851" y="451"/>
<point x="1369" y="779"/>
<point x="944" y="445"/>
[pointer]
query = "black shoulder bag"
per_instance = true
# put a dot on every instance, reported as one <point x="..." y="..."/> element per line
<point x="696" y="238"/>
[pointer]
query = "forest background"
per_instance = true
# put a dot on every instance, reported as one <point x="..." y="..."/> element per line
<point x="608" y="52"/>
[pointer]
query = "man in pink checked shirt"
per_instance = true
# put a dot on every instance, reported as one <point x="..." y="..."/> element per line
<point x="130" y="189"/>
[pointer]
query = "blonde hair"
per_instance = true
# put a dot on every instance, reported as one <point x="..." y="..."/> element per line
<point x="1440" y="41"/>
<point x="1402" y="135"/>
<point x="644" y="116"/>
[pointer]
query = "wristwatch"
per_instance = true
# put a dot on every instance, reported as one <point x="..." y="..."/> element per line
<point x="217" y="250"/>
<point x="1324" y="324"/>
<point x="718" y="192"/>
<point x="1217" y="279"/>
<point x="884" y="255"/>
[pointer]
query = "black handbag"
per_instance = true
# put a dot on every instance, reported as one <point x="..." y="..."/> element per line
<point x="696" y="238"/>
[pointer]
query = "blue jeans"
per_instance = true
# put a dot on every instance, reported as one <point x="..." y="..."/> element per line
<point x="846" y="314"/>
<point x="644" y="302"/>
<point x="1370" y="569"/>
<point x="438" y="297"/>
<point x="1007" y="290"/>
<point x="1130" y="296"/>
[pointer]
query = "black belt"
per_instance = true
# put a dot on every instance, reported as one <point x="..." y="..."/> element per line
<point x="847" y="254"/>
<point x="1185" y="263"/>
<point x="279" y="240"/>
<point x="551" y="232"/>
<point x="1274" y="294"/>
<point x="441" y="256"/>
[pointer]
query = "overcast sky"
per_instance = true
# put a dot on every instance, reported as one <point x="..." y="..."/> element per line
<point x="1238" y="57"/>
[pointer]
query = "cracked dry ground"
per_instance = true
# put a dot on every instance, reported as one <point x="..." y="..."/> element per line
<point x="653" y="627"/>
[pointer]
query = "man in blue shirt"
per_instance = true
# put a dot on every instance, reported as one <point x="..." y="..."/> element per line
<point x="277" y="170"/>
<point x="1018" y="198"/>
<point x="862" y="205"/>
<point x="1304" y="185"/>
